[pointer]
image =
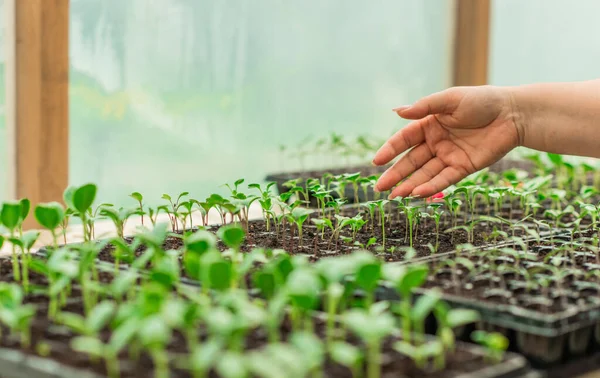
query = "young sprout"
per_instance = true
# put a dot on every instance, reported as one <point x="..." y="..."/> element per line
<point x="469" y="227"/>
<point x="347" y="355"/>
<point x="298" y="216"/>
<point x="333" y="270"/>
<point x="365" y="183"/>
<point x="353" y="178"/>
<point x="436" y="214"/>
<point x="234" y="238"/>
<point x="322" y="224"/>
<point x="322" y="195"/>
<point x="405" y="279"/>
<point x="412" y="215"/>
<point x="303" y="287"/>
<point x="119" y="218"/>
<point x="138" y="197"/>
<point x="173" y="211"/>
<point x="11" y="216"/>
<point x="421" y="352"/>
<point x="453" y="205"/>
<point x="50" y="216"/>
<point x="494" y="342"/>
<point x="447" y="320"/>
<point x="25" y="242"/>
<point x="367" y="270"/>
<point x="14" y="314"/>
<point x="372" y="328"/>
<point x="60" y="268"/>
<point x="380" y="205"/>
<point x="265" y="200"/>
<point x="93" y="323"/>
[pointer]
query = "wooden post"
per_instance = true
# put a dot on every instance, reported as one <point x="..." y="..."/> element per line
<point x="471" y="41"/>
<point x="38" y="100"/>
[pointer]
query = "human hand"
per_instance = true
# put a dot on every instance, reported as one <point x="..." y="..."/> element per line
<point x="455" y="133"/>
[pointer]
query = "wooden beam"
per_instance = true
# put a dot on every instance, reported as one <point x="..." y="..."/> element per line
<point x="41" y="100"/>
<point x="471" y="42"/>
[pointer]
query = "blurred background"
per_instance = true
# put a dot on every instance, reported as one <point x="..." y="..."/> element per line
<point x="174" y="95"/>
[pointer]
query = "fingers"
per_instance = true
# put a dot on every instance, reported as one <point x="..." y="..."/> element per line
<point x="428" y="171"/>
<point x="444" y="102"/>
<point x="409" y="136"/>
<point x="448" y="176"/>
<point x="409" y="163"/>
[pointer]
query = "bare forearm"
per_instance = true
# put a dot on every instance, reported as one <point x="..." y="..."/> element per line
<point x="562" y="118"/>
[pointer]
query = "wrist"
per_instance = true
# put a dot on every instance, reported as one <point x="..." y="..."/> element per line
<point x="518" y="113"/>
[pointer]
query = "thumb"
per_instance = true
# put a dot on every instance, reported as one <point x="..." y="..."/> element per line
<point x="444" y="102"/>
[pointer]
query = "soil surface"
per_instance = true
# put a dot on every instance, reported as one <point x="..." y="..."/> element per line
<point x="316" y="244"/>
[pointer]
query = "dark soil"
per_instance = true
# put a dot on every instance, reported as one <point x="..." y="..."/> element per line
<point x="316" y="244"/>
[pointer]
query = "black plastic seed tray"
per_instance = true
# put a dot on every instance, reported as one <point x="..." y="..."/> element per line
<point x="545" y="338"/>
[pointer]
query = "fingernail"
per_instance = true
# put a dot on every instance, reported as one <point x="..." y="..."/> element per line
<point x="391" y="197"/>
<point x="373" y="164"/>
<point x="401" y="108"/>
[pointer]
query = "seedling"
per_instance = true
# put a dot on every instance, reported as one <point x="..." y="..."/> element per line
<point x="371" y="328"/>
<point x="298" y="216"/>
<point x="50" y="216"/>
<point x="138" y="197"/>
<point x="11" y="216"/>
<point x="405" y="279"/>
<point x="494" y="342"/>
<point x="80" y="201"/>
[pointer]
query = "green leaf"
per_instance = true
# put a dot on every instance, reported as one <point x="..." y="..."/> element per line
<point x="414" y="277"/>
<point x="556" y="159"/>
<point x="74" y="321"/>
<point x="424" y="305"/>
<point x="29" y="238"/>
<point x="232" y="365"/>
<point x="367" y="326"/>
<point x="100" y="315"/>
<point x="265" y="282"/>
<point x="303" y="288"/>
<point x="11" y="214"/>
<point x="232" y="235"/>
<point x="137" y="196"/>
<point x="200" y="242"/>
<point x="311" y="347"/>
<point x="262" y="365"/>
<point x="220" y="321"/>
<point x="121" y="284"/>
<point x="25" y="207"/>
<point x="460" y="317"/>
<point x="219" y="275"/>
<point x="345" y="354"/>
<point x="49" y="215"/>
<point x="368" y="276"/>
<point x="123" y="334"/>
<point x="154" y="332"/>
<point x="88" y="345"/>
<point x="84" y="197"/>
<point x="205" y="355"/>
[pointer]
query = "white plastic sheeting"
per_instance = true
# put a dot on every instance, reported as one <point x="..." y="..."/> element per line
<point x="172" y="95"/>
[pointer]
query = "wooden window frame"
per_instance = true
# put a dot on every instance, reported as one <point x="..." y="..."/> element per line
<point x="37" y="96"/>
<point x="471" y="42"/>
<point x="37" y="73"/>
